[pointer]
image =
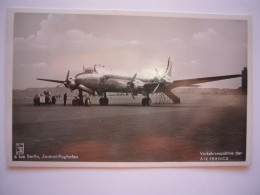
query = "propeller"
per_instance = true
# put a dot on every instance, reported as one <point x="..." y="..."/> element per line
<point x="163" y="78"/>
<point x="70" y="83"/>
<point x="130" y="85"/>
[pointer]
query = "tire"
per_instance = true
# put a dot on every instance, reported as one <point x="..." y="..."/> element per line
<point x="146" y="101"/>
<point x="149" y="101"/>
<point x="87" y="102"/>
<point x="103" y="101"/>
<point x="106" y="101"/>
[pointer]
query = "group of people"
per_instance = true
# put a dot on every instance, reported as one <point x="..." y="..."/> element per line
<point x="44" y="99"/>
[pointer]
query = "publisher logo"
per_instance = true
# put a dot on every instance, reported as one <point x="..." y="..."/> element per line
<point x="19" y="148"/>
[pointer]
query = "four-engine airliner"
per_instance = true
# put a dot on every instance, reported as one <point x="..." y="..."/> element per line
<point x="92" y="81"/>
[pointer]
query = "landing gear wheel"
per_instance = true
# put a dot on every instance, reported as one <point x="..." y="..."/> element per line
<point x="103" y="101"/>
<point x="149" y="102"/>
<point x="87" y="102"/>
<point x="146" y="101"/>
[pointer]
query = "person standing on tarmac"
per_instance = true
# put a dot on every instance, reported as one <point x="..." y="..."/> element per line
<point x="65" y="99"/>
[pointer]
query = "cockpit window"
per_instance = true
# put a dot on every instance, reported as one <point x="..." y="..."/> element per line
<point x="88" y="70"/>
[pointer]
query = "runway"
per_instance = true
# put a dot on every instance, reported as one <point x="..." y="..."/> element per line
<point x="125" y="131"/>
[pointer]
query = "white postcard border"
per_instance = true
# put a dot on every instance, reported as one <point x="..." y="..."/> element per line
<point x="9" y="84"/>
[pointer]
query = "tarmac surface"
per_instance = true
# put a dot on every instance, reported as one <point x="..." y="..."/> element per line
<point x="124" y="131"/>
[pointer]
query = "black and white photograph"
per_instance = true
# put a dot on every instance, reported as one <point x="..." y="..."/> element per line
<point x="127" y="89"/>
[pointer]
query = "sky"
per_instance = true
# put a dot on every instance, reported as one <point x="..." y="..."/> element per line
<point x="48" y="45"/>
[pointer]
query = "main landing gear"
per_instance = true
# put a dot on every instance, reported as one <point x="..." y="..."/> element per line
<point x="104" y="100"/>
<point x="79" y="100"/>
<point x="146" y="101"/>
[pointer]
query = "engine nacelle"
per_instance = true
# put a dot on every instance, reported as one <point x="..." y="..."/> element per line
<point x="71" y="85"/>
<point x="137" y="84"/>
<point x="86" y="89"/>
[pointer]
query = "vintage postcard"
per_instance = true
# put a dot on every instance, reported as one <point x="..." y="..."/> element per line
<point x="127" y="89"/>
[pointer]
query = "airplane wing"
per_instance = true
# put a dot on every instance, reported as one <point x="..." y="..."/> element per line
<point x="192" y="82"/>
<point x="168" y="86"/>
<point x="50" y="80"/>
<point x="150" y="86"/>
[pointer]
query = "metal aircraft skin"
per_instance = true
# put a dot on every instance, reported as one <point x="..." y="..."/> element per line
<point x="92" y="81"/>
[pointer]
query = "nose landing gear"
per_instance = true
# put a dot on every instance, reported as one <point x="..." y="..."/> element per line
<point x="79" y="100"/>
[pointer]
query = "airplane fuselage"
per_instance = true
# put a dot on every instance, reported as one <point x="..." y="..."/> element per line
<point x="108" y="83"/>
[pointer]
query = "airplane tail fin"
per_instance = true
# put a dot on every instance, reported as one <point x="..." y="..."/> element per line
<point x="168" y="71"/>
<point x="169" y="68"/>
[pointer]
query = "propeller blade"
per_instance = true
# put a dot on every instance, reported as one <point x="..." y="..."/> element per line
<point x="67" y="82"/>
<point x="155" y="89"/>
<point x="129" y="84"/>
<point x="50" y="80"/>
<point x="67" y="78"/>
<point x="132" y="92"/>
<point x="133" y="78"/>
